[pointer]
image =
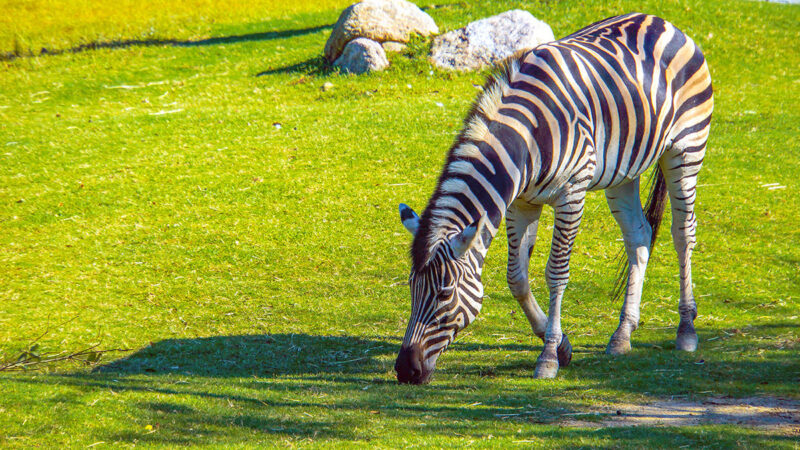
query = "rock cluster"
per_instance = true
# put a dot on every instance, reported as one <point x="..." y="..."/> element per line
<point x="388" y="22"/>
<point x="367" y="30"/>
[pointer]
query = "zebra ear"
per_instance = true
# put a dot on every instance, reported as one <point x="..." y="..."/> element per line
<point x="409" y="218"/>
<point x="464" y="241"/>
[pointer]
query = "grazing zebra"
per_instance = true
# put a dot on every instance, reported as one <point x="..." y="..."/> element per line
<point x="591" y="111"/>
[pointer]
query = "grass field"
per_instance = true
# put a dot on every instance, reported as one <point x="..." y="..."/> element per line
<point x="181" y="186"/>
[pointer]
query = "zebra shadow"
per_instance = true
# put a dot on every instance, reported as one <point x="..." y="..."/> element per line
<point x="258" y="355"/>
<point x="265" y="355"/>
<point x="718" y="366"/>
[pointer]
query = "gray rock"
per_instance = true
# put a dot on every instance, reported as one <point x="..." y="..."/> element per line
<point x="362" y="55"/>
<point x="380" y="21"/>
<point x="489" y="41"/>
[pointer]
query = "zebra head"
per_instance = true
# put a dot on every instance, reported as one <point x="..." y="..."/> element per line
<point x="446" y="295"/>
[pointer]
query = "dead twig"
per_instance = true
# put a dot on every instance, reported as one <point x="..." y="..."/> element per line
<point x="89" y="356"/>
<point x="32" y="357"/>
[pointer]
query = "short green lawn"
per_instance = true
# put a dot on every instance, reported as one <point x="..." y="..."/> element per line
<point x="209" y="207"/>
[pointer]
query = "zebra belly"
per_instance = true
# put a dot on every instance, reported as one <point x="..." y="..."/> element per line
<point x="608" y="174"/>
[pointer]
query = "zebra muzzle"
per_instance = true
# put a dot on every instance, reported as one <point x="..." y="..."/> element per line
<point x="409" y="365"/>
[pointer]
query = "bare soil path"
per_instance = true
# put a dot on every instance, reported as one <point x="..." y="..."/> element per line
<point x="778" y="414"/>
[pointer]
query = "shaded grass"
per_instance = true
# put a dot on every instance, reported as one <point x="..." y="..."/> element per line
<point x="148" y="191"/>
<point x="248" y="390"/>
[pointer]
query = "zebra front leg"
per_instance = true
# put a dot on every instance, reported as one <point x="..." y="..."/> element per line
<point x="568" y="213"/>
<point x="636" y="232"/>
<point x="522" y="221"/>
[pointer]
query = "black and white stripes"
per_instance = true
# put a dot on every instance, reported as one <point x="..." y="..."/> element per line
<point x="591" y="111"/>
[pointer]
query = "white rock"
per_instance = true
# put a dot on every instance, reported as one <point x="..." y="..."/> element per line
<point x="362" y="55"/>
<point x="489" y="41"/>
<point x="378" y="20"/>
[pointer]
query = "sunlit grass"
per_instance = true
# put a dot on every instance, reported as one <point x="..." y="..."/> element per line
<point x="258" y="271"/>
<point x="27" y="26"/>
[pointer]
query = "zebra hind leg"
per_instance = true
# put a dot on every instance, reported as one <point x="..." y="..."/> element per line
<point x="636" y="232"/>
<point x="680" y="172"/>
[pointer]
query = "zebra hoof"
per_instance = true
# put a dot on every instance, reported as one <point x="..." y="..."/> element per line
<point x="687" y="337"/>
<point x="618" y="347"/>
<point x="545" y="369"/>
<point x="686" y="342"/>
<point x="564" y="351"/>
<point x="620" y="342"/>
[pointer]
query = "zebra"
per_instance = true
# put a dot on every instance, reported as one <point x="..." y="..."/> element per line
<point x="591" y="111"/>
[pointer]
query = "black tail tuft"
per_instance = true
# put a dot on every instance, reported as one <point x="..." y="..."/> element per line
<point x="653" y="212"/>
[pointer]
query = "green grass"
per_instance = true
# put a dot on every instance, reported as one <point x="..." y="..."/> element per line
<point x="30" y="26"/>
<point x="258" y="273"/>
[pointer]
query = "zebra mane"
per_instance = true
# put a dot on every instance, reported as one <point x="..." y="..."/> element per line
<point x="435" y="224"/>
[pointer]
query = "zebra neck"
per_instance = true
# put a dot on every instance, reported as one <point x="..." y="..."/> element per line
<point x="458" y="203"/>
<point x="478" y="181"/>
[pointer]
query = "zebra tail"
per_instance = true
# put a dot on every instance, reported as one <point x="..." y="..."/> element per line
<point x="653" y="212"/>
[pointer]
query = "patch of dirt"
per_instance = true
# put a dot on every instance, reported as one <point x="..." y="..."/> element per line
<point x="778" y="414"/>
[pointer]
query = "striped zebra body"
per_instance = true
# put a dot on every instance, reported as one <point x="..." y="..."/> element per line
<point x="591" y="111"/>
